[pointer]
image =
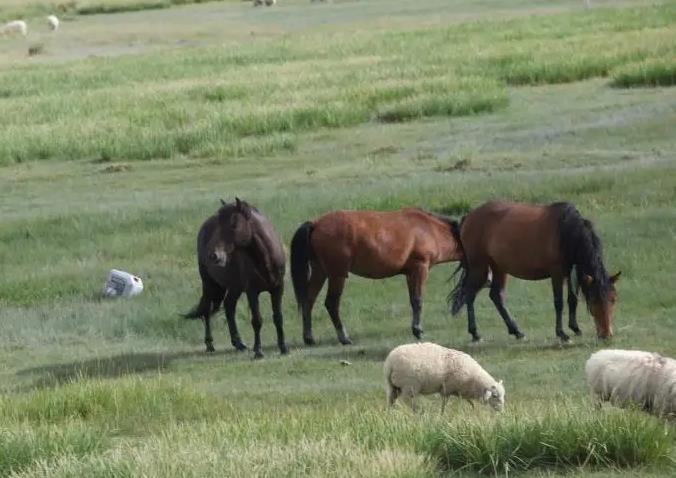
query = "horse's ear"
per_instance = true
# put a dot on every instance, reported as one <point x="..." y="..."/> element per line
<point x="222" y="202"/>
<point x="243" y="207"/>
<point x="614" y="278"/>
<point x="587" y="279"/>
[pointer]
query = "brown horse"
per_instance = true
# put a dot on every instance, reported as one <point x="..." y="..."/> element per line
<point x="238" y="251"/>
<point x="369" y="244"/>
<point x="534" y="242"/>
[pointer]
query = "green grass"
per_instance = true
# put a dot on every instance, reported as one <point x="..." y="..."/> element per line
<point x="647" y="73"/>
<point x="12" y="9"/>
<point x="562" y="439"/>
<point x="179" y="104"/>
<point x="355" y="105"/>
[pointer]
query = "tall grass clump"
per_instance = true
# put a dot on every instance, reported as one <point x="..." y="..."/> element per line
<point x="651" y="72"/>
<point x="127" y="404"/>
<point x="561" y="439"/>
<point x="21" y="446"/>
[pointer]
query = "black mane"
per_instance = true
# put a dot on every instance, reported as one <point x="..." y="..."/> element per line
<point x="581" y="248"/>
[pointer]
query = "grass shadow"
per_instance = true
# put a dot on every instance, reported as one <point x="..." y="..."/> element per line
<point x="108" y="367"/>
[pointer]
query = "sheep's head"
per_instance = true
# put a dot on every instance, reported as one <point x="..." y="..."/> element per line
<point x="495" y="396"/>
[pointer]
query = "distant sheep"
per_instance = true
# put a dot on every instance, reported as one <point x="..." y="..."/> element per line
<point x="269" y="3"/>
<point x="630" y="376"/>
<point x="14" y="27"/>
<point x="53" y="23"/>
<point x="427" y="368"/>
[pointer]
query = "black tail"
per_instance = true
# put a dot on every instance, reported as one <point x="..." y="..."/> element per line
<point x="457" y="297"/>
<point x="301" y="253"/>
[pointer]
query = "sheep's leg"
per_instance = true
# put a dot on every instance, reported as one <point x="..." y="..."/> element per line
<point x="415" y="279"/>
<point x="444" y="399"/>
<point x="256" y="322"/>
<point x="408" y="396"/>
<point x="572" y="307"/>
<point x="317" y="279"/>
<point x="392" y="394"/>
<point x="332" y="304"/>
<point x="230" y="306"/>
<point x="557" y="289"/>
<point x="497" y="295"/>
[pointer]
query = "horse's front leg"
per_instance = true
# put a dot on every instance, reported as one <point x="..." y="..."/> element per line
<point x="256" y="323"/>
<point x="277" y="318"/>
<point x="415" y="279"/>
<point x="572" y="307"/>
<point x="557" y="289"/>
<point x="230" y="306"/>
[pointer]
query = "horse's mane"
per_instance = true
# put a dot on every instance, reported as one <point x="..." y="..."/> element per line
<point x="581" y="248"/>
<point x="450" y="221"/>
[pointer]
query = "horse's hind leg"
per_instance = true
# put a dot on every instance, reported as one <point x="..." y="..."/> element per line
<point x="317" y="279"/>
<point x="415" y="279"/>
<point x="277" y="318"/>
<point x="572" y="308"/>
<point x="256" y="323"/>
<point x="332" y="304"/>
<point x="230" y="306"/>
<point x="557" y="289"/>
<point x="497" y="295"/>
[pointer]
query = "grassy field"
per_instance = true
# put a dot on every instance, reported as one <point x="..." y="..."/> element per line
<point x="114" y="161"/>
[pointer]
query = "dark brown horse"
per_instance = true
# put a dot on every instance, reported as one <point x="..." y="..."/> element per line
<point x="369" y="244"/>
<point x="238" y="251"/>
<point x="534" y="242"/>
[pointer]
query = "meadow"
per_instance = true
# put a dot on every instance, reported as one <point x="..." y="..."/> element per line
<point x="119" y="140"/>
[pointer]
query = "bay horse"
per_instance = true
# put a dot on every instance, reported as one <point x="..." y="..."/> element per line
<point x="238" y="251"/>
<point x="534" y="242"/>
<point x="369" y="244"/>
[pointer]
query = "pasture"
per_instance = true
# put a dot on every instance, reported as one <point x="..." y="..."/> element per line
<point x="119" y="139"/>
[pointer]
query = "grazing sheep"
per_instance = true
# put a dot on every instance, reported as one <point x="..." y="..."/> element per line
<point x="53" y="22"/>
<point x="631" y="376"/>
<point x="427" y="368"/>
<point x="269" y="3"/>
<point x="16" y="26"/>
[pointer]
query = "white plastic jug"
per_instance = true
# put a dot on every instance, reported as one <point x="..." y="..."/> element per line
<point x="122" y="284"/>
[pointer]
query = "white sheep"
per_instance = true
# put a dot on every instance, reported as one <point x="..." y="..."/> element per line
<point x="427" y="368"/>
<point x="53" y="22"/>
<point x="269" y="3"/>
<point x="631" y="376"/>
<point x="13" y="27"/>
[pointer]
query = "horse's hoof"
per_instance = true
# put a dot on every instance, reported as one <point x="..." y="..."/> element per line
<point x="258" y="355"/>
<point x="210" y="349"/>
<point x="309" y="341"/>
<point x="417" y="333"/>
<point x="577" y="332"/>
<point x="519" y="336"/>
<point x="476" y="339"/>
<point x="345" y="341"/>
<point x="240" y="347"/>
<point x="283" y="349"/>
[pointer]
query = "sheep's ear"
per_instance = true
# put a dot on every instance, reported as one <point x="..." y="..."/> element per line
<point x="487" y="394"/>
<point x="500" y="382"/>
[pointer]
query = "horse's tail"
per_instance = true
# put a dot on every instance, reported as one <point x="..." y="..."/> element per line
<point x="301" y="253"/>
<point x="457" y="297"/>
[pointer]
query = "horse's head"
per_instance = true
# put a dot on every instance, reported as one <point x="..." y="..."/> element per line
<point x="601" y="304"/>
<point x="233" y="230"/>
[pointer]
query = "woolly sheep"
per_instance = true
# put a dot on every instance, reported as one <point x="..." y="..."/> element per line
<point x="16" y="26"/>
<point x="631" y="376"/>
<point x="427" y="368"/>
<point x="269" y="3"/>
<point x="53" y="22"/>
